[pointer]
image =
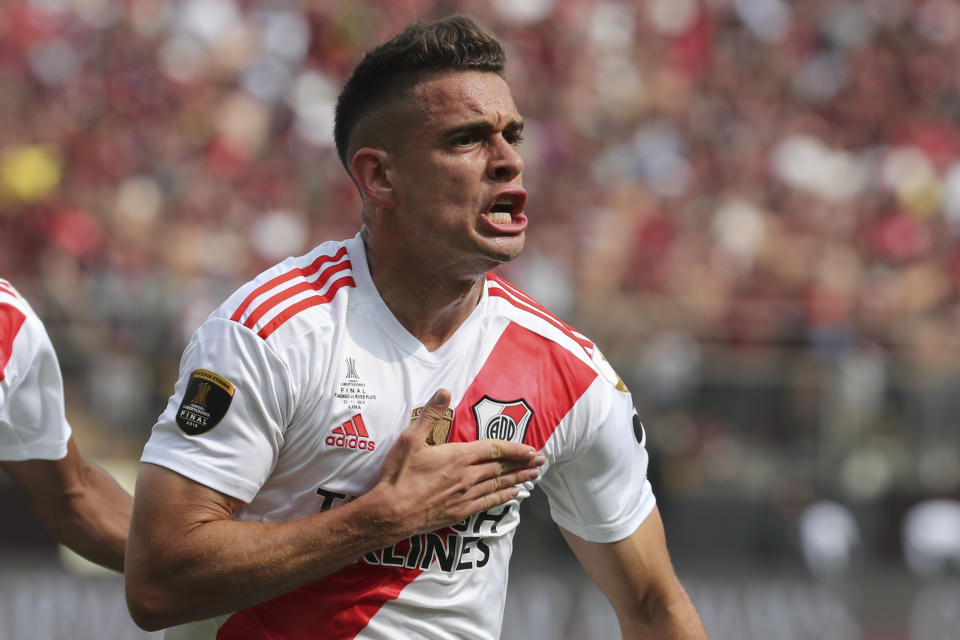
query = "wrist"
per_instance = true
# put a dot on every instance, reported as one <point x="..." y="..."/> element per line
<point x="376" y="513"/>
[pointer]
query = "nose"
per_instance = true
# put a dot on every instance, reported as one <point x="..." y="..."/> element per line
<point x="505" y="163"/>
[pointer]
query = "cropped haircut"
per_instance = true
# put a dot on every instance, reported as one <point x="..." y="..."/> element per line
<point x="389" y="72"/>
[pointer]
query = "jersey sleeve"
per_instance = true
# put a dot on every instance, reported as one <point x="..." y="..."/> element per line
<point x="599" y="490"/>
<point x="33" y="423"/>
<point x="223" y="427"/>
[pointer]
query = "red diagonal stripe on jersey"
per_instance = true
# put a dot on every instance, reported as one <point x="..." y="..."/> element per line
<point x="290" y="275"/>
<point x="6" y="288"/>
<point x="289" y="292"/>
<point x="338" y="606"/>
<point x="524" y="364"/>
<point x="11" y="319"/>
<point x="312" y="301"/>
<point x="539" y="311"/>
<point x="361" y="428"/>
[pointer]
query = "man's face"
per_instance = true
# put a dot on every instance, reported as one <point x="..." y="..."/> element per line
<point x="456" y="173"/>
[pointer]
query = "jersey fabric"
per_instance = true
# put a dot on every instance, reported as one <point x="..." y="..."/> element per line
<point x="294" y="390"/>
<point x="33" y="424"/>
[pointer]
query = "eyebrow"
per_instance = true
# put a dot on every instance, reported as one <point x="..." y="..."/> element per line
<point x="484" y="128"/>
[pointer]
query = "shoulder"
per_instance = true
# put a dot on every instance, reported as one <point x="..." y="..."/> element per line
<point x="277" y="302"/>
<point x="19" y="325"/>
<point x="522" y="309"/>
<point x="10" y="298"/>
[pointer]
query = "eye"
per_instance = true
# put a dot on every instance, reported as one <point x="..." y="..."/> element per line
<point x="465" y="140"/>
<point x="513" y="137"/>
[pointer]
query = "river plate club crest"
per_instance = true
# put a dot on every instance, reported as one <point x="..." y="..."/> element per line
<point x="504" y="420"/>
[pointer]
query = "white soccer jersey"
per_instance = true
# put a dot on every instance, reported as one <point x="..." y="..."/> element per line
<point x="294" y="390"/>
<point x="32" y="420"/>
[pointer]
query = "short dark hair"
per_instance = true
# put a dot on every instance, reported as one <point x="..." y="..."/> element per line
<point x="422" y="50"/>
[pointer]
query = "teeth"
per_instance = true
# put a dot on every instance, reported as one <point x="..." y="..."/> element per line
<point x="507" y="200"/>
<point x="500" y="217"/>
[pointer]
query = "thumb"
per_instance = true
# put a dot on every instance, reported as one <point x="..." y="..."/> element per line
<point x="434" y="420"/>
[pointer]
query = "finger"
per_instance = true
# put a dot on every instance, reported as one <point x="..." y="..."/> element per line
<point x="502" y="481"/>
<point x="500" y="497"/>
<point x="432" y="413"/>
<point x="480" y="450"/>
<point x="503" y="468"/>
<point x="491" y="500"/>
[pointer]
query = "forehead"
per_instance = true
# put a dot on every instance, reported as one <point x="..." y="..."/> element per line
<point x="468" y="96"/>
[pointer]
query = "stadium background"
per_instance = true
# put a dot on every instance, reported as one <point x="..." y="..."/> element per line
<point x="752" y="206"/>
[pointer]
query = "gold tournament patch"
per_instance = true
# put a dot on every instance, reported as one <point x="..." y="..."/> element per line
<point x="441" y="430"/>
<point x="205" y="402"/>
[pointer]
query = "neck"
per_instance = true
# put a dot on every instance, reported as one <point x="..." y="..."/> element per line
<point x="428" y="300"/>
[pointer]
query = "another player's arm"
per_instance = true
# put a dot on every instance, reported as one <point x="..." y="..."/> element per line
<point x="637" y="577"/>
<point x="188" y="560"/>
<point x="81" y="504"/>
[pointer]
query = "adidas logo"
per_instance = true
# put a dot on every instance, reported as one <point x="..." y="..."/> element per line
<point x="352" y="434"/>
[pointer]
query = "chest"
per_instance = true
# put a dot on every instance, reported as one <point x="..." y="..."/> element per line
<point x="510" y="384"/>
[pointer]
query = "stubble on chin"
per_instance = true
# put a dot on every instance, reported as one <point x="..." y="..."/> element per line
<point x="505" y="249"/>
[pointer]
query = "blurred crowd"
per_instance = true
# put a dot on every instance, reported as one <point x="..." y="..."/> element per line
<point x="752" y="206"/>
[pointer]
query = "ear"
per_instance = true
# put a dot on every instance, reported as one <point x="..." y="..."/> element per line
<point x="372" y="172"/>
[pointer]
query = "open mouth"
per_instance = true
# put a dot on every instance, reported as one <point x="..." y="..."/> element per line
<point x="506" y="207"/>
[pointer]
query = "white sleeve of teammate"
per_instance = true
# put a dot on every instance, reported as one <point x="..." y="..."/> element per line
<point x="235" y="455"/>
<point x="601" y="492"/>
<point x="33" y="424"/>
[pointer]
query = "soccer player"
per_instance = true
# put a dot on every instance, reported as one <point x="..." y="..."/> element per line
<point x="77" y="501"/>
<point x="278" y="492"/>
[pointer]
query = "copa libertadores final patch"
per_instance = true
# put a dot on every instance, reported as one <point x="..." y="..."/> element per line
<point x="204" y="403"/>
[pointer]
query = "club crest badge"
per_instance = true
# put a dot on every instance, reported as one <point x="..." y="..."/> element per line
<point x="441" y="431"/>
<point x="502" y="420"/>
<point x="205" y="402"/>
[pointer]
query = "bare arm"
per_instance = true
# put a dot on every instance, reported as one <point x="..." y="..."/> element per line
<point x="80" y="503"/>
<point x="636" y="576"/>
<point x="187" y="560"/>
